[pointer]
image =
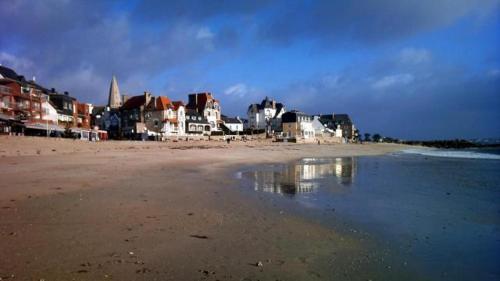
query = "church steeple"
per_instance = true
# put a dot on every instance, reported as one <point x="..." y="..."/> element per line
<point x="114" y="100"/>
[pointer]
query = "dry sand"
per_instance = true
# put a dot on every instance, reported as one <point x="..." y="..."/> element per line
<point x="73" y="210"/>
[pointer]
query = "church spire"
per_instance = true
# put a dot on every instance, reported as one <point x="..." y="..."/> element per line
<point x="114" y="100"/>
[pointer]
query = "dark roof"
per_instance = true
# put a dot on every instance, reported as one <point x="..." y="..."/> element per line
<point x="41" y="88"/>
<point x="232" y="120"/>
<point x="291" y="116"/>
<point x="62" y="96"/>
<point x="193" y="112"/>
<point x="343" y="118"/>
<point x="199" y="101"/>
<point x="98" y="110"/>
<point x="8" y="73"/>
<point x="266" y="103"/>
<point x="134" y="102"/>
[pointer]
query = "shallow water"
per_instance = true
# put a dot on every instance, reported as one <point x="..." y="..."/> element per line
<point x="440" y="213"/>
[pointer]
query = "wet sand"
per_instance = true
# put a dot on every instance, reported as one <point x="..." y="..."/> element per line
<point x="72" y="210"/>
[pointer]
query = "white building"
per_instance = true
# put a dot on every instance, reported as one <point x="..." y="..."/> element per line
<point x="265" y="116"/>
<point x="49" y="113"/>
<point x="164" y="117"/>
<point x="321" y="129"/>
<point x="298" y="125"/>
<point x="207" y="106"/>
<point x="235" y="125"/>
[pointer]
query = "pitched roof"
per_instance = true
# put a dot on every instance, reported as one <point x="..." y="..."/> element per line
<point x="198" y="101"/>
<point x="267" y="103"/>
<point x="335" y="119"/>
<point x="162" y="103"/>
<point x="177" y="104"/>
<point x="134" y="102"/>
<point x="231" y="120"/>
<point x="291" y="116"/>
<point x="8" y="73"/>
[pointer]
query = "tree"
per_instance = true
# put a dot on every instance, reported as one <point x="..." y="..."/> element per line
<point x="376" y="137"/>
<point x="367" y="137"/>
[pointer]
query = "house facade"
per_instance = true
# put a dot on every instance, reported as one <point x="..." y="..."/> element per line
<point x="297" y="125"/>
<point x="197" y="124"/>
<point x="165" y="118"/>
<point x="21" y="102"/>
<point x="341" y="124"/>
<point x="133" y="119"/>
<point x="207" y="106"/>
<point x="233" y="126"/>
<point x="66" y="108"/>
<point x="265" y="116"/>
<point x="321" y="129"/>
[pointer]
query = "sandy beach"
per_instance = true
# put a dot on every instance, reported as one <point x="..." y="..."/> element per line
<point x="73" y="210"/>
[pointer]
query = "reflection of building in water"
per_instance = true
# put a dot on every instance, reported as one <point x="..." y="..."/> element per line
<point x="303" y="177"/>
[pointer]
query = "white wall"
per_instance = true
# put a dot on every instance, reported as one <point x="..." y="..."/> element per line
<point x="49" y="113"/>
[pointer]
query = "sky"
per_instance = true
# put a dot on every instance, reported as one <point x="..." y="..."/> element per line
<point x="415" y="69"/>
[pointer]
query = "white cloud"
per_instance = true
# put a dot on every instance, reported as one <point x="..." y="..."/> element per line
<point x="494" y="72"/>
<point x="414" y="56"/>
<point x="392" y="80"/>
<point x="204" y="33"/>
<point x="21" y="65"/>
<point x="239" y="90"/>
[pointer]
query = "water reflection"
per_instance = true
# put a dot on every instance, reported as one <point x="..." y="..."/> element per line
<point x="303" y="176"/>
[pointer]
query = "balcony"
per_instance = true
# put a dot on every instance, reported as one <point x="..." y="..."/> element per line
<point x="5" y="90"/>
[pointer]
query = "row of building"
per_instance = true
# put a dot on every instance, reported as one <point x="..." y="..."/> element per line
<point x="30" y="109"/>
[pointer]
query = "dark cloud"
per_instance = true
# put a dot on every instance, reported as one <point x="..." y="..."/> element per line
<point x="362" y="21"/>
<point x="195" y="10"/>
<point x="78" y="45"/>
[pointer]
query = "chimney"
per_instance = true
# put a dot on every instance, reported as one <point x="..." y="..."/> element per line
<point x="147" y="97"/>
<point x="193" y="99"/>
<point x="34" y="78"/>
<point x="53" y="90"/>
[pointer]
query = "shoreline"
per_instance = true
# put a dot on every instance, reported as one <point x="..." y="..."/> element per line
<point x="154" y="202"/>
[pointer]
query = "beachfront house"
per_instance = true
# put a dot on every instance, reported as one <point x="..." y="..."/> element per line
<point x="164" y="117"/>
<point x="232" y="126"/>
<point x="133" y="119"/>
<point x="196" y="123"/>
<point x="297" y="126"/>
<point x="265" y="116"/>
<point x="206" y="106"/>
<point x="321" y="129"/>
<point x="341" y="124"/>
<point x="20" y="102"/>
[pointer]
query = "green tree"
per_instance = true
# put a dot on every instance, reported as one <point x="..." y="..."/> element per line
<point x="377" y="137"/>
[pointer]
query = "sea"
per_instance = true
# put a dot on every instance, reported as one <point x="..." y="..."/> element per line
<point x="437" y="209"/>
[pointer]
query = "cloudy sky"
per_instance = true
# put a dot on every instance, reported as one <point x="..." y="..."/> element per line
<point x="415" y="69"/>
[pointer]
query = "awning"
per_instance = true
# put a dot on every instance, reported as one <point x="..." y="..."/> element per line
<point x="40" y="126"/>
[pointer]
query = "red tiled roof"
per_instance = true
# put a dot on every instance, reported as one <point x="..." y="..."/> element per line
<point x="163" y="103"/>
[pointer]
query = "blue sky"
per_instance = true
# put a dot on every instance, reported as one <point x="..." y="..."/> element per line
<point x="411" y="69"/>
